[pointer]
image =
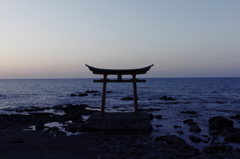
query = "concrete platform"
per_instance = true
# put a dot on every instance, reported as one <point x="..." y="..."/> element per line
<point x="119" y="121"/>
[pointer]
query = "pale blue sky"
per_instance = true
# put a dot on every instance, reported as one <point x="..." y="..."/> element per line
<point x="56" y="38"/>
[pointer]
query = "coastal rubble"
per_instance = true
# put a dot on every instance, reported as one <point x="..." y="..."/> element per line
<point x="134" y="145"/>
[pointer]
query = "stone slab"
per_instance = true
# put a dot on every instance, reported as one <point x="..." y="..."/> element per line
<point x="119" y="121"/>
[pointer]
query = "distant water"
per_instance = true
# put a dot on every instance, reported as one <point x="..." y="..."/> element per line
<point x="220" y="94"/>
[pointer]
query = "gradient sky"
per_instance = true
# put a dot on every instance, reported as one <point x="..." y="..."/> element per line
<point x="56" y="38"/>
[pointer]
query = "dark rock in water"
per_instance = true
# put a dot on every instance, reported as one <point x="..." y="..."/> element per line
<point x="219" y="123"/>
<point x="150" y="116"/>
<point x="235" y="117"/>
<point x="228" y="130"/>
<point x="149" y="109"/>
<point x="217" y="148"/>
<point x="176" y="126"/>
<point x="195" y="139"/>
<point x="60" y="133"/>
<point x="73" y="111"/>
<point x="180" y="132"/>
<point x="193" y="123"/>
<point x="79" y="94"/>
<point x="167" y="98"/>
<point x="188" y="112"/>
<point x="233" y="137"/>
<point x="171" y="139"/>
<point x="55" y="128"/>
<point x="158" y="116"/>
<point x="92" y="91"/>
<point x="158" y="125"/>
<point x="195" y="128"/>
<point x="31" y="109"/>
<point x="82" y="94"/>
<point x="213" y="132"/>
<point x="72" y="129"/>
<point x="109" y="91"/>
<point x="127" y="98"/>
<point x="39" y="126"/>
<point x="219" y="102"/>
<point x="189" y="122"/>
<point x="215" y="140"/>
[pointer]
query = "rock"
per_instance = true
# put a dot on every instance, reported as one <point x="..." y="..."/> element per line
<point x="235" y="117"/>
<point x="172" y="144"/>
<point x="195" y="128"/>
<point x="217" y="148"/>
<point x="176" y="126"/>
<point x="72" y="129"/>
<point x="193" y="123"/>
<point x="127" y="98"/>
<point x="31" y="109"/>
<point x="188" y="112"/>
<point x="170" y="139"/>
<point x="158" y="116"/>
<point x="53" y="128"/>
<point x="195" y="139"/>
<point x="219" y="102"/>
<point x="219" y="123"/>
<point x="92" y="91"/>
<point x="79" y="94"/>
<point x="82" y="94"/>
<point x="189" y="122"/>
<point x="149" y="109"/>
<point x="180" y="132"/>
<point x="60" y="133"/>
<point x="109" y="91"/>
<point x="215" y="140"/>
<point x="228" y="130"/>
<point x="213" y="132"/>
<point x="167" y="98"/>
<point x="39" y="126"/>
<point x="150" y="116"/>
<point x="158" y="125"/>
<point x="233" y="137"/>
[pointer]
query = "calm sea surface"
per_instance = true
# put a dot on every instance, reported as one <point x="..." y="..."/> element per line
<point x="222" y="94"/>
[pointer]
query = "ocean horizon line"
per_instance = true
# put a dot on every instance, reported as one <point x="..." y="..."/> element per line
<point x="109" y="78"/>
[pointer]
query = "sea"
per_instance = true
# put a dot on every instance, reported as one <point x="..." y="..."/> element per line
<point x="207" y="96"/>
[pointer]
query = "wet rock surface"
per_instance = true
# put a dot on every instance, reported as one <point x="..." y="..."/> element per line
<point x="111" y="144"/>
<point x="127" y="98"/>
<point x="235" y="117"/>
<point x="219" y="123"/>
<point x="166" y="98"/>
<point x="195" y="128"/>
<point x="188" y="112"/>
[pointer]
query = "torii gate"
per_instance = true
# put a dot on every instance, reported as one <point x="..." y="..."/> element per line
<point x="119" y="73"/>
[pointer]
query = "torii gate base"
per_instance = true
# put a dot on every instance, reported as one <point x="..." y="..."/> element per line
<point x="120" y="121"/>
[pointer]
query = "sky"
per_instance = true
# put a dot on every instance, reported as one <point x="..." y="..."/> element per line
<point x="56" y="38"/>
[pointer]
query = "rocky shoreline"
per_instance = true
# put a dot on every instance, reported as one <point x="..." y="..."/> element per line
<point x="39" y="140"/>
